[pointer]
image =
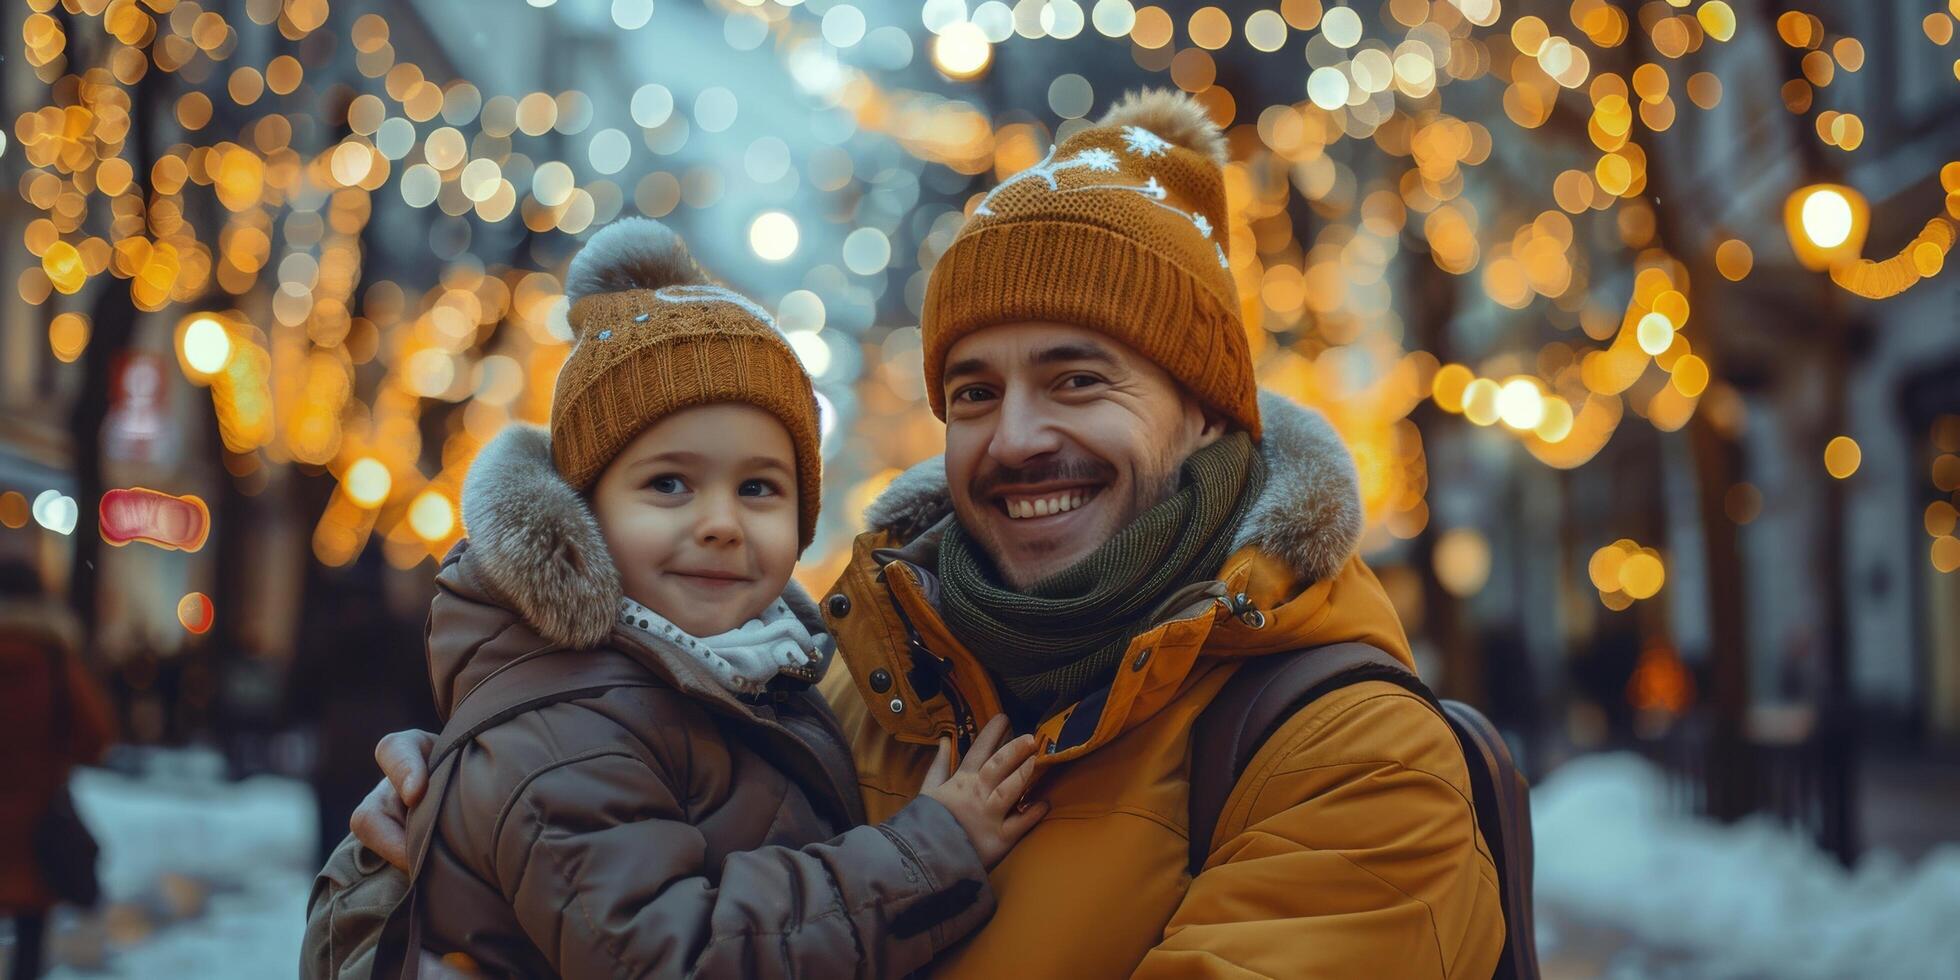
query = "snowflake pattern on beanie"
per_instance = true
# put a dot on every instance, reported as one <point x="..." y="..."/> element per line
<point x="1138" y="141"/>
<point x="1120" y="228"/>
<point x="1143" y="142"/>
<point x="712" y="293"/>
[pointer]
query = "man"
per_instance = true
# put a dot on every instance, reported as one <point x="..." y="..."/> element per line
<point x="1120" y="520"/>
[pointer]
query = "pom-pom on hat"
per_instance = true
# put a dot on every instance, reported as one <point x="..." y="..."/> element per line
<point x="1120" y="229"/>
<point x="653" y="334"/>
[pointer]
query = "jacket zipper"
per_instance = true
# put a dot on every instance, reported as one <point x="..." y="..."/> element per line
<point x="964" y="728"/>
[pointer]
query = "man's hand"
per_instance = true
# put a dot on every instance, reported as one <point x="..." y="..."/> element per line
<point x="985" y="794"/>
<point x="380" y="823"/>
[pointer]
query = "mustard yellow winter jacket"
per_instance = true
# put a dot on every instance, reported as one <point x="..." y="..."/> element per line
<point x="1349" y="848"/>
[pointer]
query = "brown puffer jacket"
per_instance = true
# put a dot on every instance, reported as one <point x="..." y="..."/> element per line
<point x="673" y="830"/>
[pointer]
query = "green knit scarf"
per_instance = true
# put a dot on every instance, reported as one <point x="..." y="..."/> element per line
<point x="1061" y="638"/>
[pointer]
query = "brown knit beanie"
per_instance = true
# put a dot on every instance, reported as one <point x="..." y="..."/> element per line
<point x="654" y="335"/>
<point x="1120" y="229"/>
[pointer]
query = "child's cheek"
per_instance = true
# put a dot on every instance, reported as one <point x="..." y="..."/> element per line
<point x="775" y="539"/>
<point x="641" y="540"/>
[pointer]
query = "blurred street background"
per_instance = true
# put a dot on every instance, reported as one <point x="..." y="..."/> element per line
<point x="1637" y="315"/>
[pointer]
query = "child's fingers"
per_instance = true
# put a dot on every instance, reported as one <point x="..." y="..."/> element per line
<point x="380" y="823"/>
<point x="1006" y="760"/>
<point x="404" y="759"/>
<point x="985" y="744"/>
<point x="942" y="765"/>
<point x="1020" y="822"/>
<point x="1013" y="787"/>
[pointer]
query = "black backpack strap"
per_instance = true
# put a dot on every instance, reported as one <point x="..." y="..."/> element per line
<point x="1503" y="804"/>
<point x="535" y="680"/>
<point x="1265" y="693"/>
<point x="1258" y="698"/>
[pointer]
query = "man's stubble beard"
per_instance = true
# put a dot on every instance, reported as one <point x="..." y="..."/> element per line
<point x="1145" y="493"/>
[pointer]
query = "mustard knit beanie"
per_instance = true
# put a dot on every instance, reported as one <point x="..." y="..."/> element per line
<point x="1120" y="229"/>
<point x="653" y="334"/>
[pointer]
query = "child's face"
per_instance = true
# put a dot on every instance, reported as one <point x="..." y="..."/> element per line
<point x="699" y="512"/>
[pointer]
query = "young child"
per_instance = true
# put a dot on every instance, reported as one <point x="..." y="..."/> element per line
<point x="696" y="813"/>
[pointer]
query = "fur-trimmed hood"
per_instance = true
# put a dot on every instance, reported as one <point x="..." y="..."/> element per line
<point x="537" y="543"/>
<point x="1308" y="515"/>
<point x="536" y="549"/>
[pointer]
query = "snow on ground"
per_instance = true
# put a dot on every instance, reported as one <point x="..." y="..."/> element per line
<point x="203" y="877"/>
<point x="1755" y="899"/>
<point x="208" y="878"/>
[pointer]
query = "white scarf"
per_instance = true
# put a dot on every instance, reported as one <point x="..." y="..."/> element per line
<point x="747" y="657"/>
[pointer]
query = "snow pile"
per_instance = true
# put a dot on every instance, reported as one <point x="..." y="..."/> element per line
<point x="249" y="845"/>
<point x="1753" y="899"/>
<point x="181" y="816"/>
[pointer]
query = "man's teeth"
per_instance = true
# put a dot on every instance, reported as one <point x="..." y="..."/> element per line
<point x="1021" y="508"/>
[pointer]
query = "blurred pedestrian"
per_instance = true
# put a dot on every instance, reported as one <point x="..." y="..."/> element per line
<point x="52" y="718"/>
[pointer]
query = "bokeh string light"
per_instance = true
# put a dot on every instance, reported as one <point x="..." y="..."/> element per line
<point x="337" y="362"/>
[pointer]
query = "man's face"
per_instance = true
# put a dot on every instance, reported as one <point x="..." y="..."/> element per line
<point x="1057" y="437"/>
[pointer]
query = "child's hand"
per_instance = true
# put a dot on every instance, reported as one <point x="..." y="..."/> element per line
<point x="985" y="794"/>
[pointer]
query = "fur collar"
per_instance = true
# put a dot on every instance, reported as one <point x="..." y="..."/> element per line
<point x="1308" y="515"/>
<point x="537" y="544"/>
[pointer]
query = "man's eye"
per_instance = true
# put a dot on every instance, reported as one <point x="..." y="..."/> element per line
<point x="1080" y="381"/>
<point x="667" y="483"/>
<point x="760" y="488"/>
<point x="973" y="393"/>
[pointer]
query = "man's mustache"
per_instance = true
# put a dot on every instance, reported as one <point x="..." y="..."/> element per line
<point x="1072" y="470"/>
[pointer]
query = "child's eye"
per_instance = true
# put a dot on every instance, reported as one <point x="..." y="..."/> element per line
<point x="667" y="483"/>
<point x="760" y="488"/>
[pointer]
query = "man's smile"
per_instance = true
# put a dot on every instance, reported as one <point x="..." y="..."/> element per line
<point x="1038" y="502"/>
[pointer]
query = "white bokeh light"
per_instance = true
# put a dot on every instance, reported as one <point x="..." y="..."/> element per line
<point x="1113" y="18"/>
<point x="631" y="15"/>
<point x="1328" y="88"/>
<point x="773" y="236"/>
<point x="812" y="350"/>
<point x="938" y="15"/>
<point x="1342" y="27"/>
<point x="995" y="21"/>
<point x="1062" y="19"/>
<point x="552" y="183"/>
<point x="767" y="160"/>
<point x="867" y="251"/>
<point x="610" y="151"/>
<point x="1826" y="217"/>
<point x="801" y="310"/>
<point x="843" y="26"/>
<point x="715" y="108"/>
<point x="652" y="105"/>
<point x="1521" y="404"/>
